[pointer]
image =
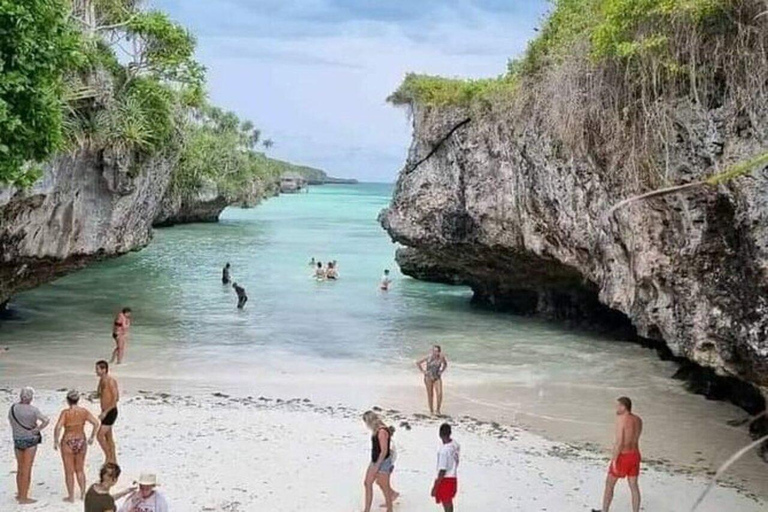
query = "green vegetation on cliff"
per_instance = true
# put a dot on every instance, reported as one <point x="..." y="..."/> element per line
<point x="113" y="78"/>
<point x="633" y="33"/>
<point x="613" y="80"/>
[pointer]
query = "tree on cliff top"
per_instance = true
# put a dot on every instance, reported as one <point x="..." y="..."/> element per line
<point x="37" y="47"/>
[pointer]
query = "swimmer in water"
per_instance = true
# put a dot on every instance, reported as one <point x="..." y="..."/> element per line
<point x="331" y="272"/>
<point x="385" y="281"/>
<point x="312" y="262"/>
<point x="319" y="272"/>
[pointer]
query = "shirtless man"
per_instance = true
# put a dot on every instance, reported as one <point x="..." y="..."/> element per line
<point x="625" y="460"/>
<point x="120" y="334"/>
<point x="108" y="395"/>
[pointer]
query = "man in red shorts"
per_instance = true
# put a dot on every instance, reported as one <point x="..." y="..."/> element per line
<point x="625" y="461"/>
<point x="445" y="486"/>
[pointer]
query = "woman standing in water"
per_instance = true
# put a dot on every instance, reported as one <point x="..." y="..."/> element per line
<point x="120" y="334"/>
<point x="26" y="423"/>
<point x="382" y="464"/>
<point x="433" y="367"/>
<point x="73" y="444"/>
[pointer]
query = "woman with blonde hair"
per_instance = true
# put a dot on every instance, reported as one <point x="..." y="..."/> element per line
<point x="382" y="461"/>
<point x="73" y="444"/>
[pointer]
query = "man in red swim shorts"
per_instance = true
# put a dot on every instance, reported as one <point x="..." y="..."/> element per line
<point x="625" y="462"/>
<point x="445" y="486"/>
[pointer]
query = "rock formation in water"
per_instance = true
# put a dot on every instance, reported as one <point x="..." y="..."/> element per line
<point x="504" y="207"/>
<point x="511" y="195"/>
<point x="87" y="206"/>
<point x="207" y="203"/>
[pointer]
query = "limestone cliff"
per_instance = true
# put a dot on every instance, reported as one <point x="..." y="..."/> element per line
<point x="501" y="203"/>
<point x="87" y="206"/>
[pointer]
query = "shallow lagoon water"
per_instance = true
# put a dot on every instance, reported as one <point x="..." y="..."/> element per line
<point x="346" y="341"/>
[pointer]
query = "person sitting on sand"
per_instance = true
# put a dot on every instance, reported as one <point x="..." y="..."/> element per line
<point x="433" y="367"/>
<point x="147" y="498"/>
<point x="331" y="272"/>
<point x="319" y="272"/>
<point x="98" y="498"/>
<point x="242" y="298"/>
<point x="120" y="334"/>
<point x="74" y="445"/>
<point x="625" y="460"/>
<point x="26" y="424"/>
<point x="225" y="277"/>
<point x="385" y="281"/>
<point x="382" y="464"/>
<point x="445" y="486"/>
<point x="109" y="395"/>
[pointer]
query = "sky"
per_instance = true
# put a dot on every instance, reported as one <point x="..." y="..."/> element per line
<point x="314" y="75"/>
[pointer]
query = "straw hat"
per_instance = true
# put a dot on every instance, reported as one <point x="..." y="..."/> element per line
<point x="147" y="479"/>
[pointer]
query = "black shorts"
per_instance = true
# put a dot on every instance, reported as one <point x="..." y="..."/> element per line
<point x="114" y="336"/>
<point x="110" y="418"/>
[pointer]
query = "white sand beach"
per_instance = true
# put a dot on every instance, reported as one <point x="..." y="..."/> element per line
<point x="237" y="454"/>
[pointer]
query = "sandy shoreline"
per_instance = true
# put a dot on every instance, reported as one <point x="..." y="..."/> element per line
<point x="228" y="453"/>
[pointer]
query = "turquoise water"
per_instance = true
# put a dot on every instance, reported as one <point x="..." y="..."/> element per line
<point x="338" y="341"/>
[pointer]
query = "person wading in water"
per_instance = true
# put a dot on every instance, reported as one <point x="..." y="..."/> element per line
<point x="120" y="334"/>
<point x="242" y="298"/>
<point x="225" y="277"/>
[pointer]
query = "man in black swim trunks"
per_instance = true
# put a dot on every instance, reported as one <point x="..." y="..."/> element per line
<point x="242" y="298"/>
<point x="109" y="394"/>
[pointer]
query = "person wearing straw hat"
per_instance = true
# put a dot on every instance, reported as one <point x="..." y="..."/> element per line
<point x="146" y="498"/>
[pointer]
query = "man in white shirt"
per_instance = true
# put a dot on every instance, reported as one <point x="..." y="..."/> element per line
<point x="146" y="498"/>
<point x="445" y="486"/>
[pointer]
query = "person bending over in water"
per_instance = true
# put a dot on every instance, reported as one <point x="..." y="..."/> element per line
<point x="445" y="486"/>
<point x="331" y="272"/>
<point x="26" y="423"/>
<point x="242" y="298"/>
<point x="74" y="445"/>
<point x="319" y="272"/>
<point x="225" y="277"/>
<point x="109" y="395"/>
<point x="433" y="367"/>
<point x="625" y="460"/>
<point x="120" y="334"/>
<point x="382" y="464"/>
<point x="385" y="281"/>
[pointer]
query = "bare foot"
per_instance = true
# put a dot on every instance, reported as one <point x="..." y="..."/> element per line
<point x="395" y="495"/>
<point x="69" y="499"/>
<point x="25" y="501"/>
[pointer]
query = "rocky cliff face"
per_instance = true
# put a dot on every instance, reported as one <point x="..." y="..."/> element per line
<point x="209" y="202"/>
<point x="87" y="206"/>
<point x="503" y="205"/>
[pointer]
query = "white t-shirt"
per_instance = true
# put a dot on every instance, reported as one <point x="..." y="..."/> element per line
<point x="155" y="503"/>
<point x="448" y="458"/>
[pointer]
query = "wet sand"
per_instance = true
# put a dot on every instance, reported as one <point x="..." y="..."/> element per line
<point x="220" y="452"/>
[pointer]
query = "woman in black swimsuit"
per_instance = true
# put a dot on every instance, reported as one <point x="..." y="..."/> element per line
<point x="382" y="461"/>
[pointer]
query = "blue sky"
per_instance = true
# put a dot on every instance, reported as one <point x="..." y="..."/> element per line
<point x="314" y="74"/>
